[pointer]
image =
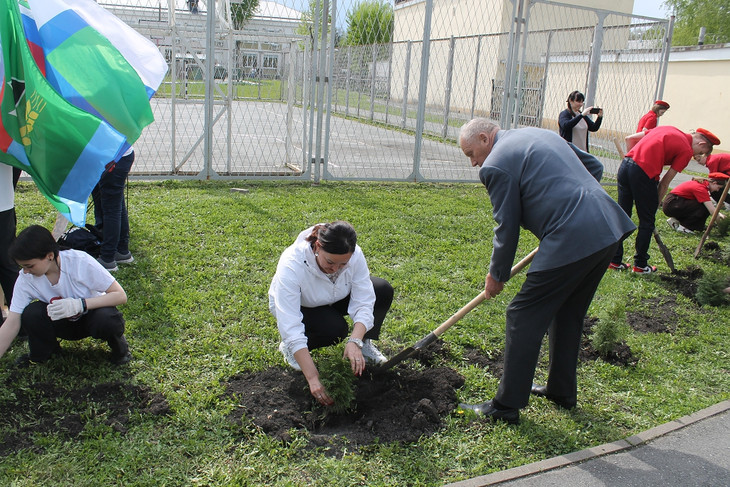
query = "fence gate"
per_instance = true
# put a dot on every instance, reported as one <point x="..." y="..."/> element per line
<point x="226" y="108"/>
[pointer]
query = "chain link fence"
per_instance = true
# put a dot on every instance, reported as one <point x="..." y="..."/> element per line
<point x="378" y="90"/>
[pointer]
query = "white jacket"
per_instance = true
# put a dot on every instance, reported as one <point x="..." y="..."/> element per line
<point x="300" y="282"/>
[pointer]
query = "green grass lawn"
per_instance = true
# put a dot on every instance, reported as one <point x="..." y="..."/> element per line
<point x="198" y="315"/>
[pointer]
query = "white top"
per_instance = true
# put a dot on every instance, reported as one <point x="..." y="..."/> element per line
<point x="300" y="282"/>
<point x="7" y="195"/>
<point x="580" y="133"/>
<point x="81" y="277"/>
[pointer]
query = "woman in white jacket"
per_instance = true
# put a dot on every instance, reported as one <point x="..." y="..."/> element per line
<point x="320" y="278"/>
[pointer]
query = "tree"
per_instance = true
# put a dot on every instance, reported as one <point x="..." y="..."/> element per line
<point x="369" y="22"/>
<point x="242" y="11"/>
<point x="691" y="15"/>
<point x="306" y="25"/>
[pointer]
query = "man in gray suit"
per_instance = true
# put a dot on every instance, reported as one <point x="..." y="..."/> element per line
<point x="536" y="181"/>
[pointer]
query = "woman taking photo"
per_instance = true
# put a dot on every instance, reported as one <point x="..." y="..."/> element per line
<point x="63" y="294"/>
<point x="320" y="278"/>
<point x="575" y="121"/>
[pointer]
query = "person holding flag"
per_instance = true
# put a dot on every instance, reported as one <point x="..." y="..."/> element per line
<point x="76" y="84"/>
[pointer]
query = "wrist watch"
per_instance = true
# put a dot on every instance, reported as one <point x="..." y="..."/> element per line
<point x="356" y="341"/>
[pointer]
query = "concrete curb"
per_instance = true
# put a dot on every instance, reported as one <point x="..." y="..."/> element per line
<point x="594" y="452"/>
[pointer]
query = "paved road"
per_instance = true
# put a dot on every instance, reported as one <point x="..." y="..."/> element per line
<point x="691" y="451"/>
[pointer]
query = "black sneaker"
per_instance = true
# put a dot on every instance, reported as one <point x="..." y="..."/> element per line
<point x="24" y="361"/>
<point x="120" y="350"/>
<point x="122" y="359"/>
<point x="125" y="258"/>
<point x="110" y="266"/>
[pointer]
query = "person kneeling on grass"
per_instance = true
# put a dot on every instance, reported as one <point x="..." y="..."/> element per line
<point x="61" y="294"/>
<point x="689" y="204"/>
<point x="321" y="278"/>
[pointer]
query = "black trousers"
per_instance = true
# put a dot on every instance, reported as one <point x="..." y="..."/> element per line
<point x="326" y="325"/>
<point x="43" y="333"/>
<point x="8" y="268"/>
<point x="554" y="301"/>
<point x="635" y="187"/>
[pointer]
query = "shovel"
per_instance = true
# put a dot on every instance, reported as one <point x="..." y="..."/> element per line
<point x="431" y="337"/>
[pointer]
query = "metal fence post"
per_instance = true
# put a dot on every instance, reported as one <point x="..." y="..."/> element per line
<point x="508" y="97"/>
<point x="328" y="84"/>
<point x="449" y="85"/>
<point x="521" y="68"/>
<point x="347" y="81"/>
<point x="404" y="110"/>
<point x="665" y="60"/>
<point x="422" y="86"/>
<point x="388" y="88"/>
<point x="476" y="77"/>
<point x="372" y="82"/>
<point x="595" y="60"/>
<point x="209" y="102"/>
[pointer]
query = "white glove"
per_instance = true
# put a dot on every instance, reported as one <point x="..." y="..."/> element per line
<point x="65" y="308"/>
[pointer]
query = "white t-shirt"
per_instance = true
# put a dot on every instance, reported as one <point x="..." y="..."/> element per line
<point x="7" y="195"/>
<point x="81" y="277"/>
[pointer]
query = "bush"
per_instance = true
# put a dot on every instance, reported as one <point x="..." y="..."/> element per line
<point x="710" y="289"/>
<point x="336" y="376"/>
<point x="609" y="332"/>
<point x="721" y="227"/>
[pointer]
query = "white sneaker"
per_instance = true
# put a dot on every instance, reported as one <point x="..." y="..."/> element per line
<point x="289" y="357"/>
<point x="673" y="222"/>
<point x="371" y="353"/>
<point x="726" y="205"/>
<point x="682" y="229"/>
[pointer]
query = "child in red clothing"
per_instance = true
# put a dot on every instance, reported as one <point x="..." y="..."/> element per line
<point x="689" y="204"/>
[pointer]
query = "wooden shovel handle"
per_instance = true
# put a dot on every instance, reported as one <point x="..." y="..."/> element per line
<point x="712" y="220"/>
<point x="481" y="297"/>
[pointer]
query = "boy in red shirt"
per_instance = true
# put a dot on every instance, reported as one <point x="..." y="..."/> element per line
<point x="639" y="184"/>
<point x="689" y="204"/>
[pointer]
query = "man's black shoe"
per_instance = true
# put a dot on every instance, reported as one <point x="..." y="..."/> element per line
<point x="487" y="409"/>
<point x="562" y="401"/>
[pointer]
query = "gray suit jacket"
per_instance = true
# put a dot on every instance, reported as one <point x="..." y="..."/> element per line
<point x="536" y="181"/>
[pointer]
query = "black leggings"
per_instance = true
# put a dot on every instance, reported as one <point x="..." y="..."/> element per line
<point x="326" y="325"/>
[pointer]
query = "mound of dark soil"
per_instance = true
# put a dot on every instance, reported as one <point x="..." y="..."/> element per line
<point x="401" y="404"/>
<point x="47" y="408"/>
<point x="683" y="281"/>
<point x="661" y="316"/>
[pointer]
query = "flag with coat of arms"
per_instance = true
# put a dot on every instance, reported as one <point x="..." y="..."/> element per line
<point x="76" y="85"/>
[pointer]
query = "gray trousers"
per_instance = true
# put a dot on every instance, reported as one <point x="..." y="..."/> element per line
<point x="554" y="301"/>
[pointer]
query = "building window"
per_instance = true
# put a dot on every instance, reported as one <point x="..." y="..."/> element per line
<point x="271" y="62"/>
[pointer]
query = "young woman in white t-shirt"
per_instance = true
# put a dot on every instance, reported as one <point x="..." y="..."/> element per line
<point x="61" y="294"/>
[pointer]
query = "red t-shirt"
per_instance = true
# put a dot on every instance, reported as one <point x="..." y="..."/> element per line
<point x="719" y="163"/>
<point x="662" y="146"/>
<point x="693" y="190"/>
<point x="648" y="121"/>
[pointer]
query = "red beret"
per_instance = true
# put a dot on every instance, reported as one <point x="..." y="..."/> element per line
<point x="719" y="176"/>
<point x="662" y="103"/>
<point x="711" y="138"/>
